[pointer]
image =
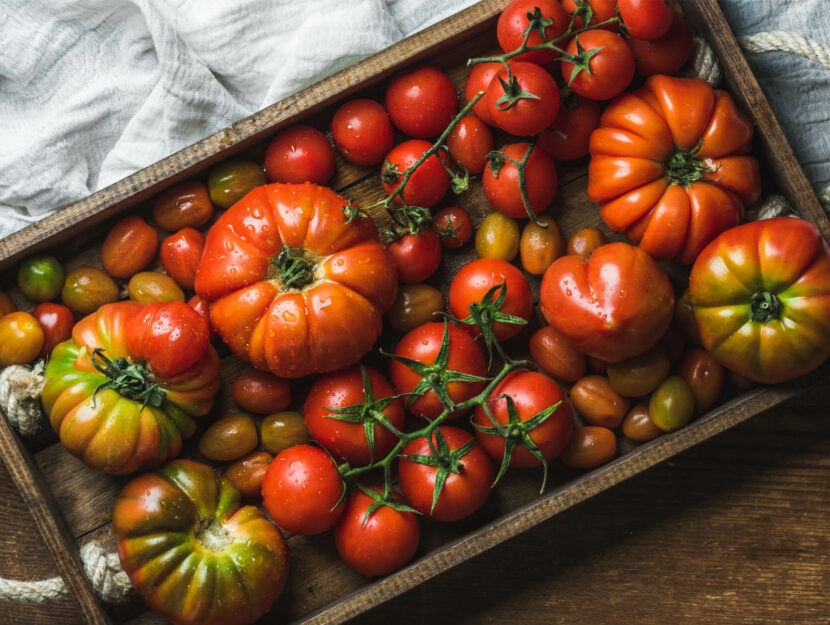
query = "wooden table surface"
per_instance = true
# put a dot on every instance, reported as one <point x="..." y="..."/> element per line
<point x="735" y="531"/>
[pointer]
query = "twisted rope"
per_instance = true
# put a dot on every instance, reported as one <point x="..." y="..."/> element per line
<point x="781" y="41"/>
<point x="20" y="389"/>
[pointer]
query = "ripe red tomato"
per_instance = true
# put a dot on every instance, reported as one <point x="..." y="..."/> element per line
<point x="201" y="307"/>
<point x="453" y="226"/>
<point x="568" y="136"/>
<point x="260" y="392"/>
<point x="518" y="115"/>
<point x="513" y="23"/>
<point x="469" y="144"/>
<point x="136" y="235"/>
<point x="300" y="490"/>
<point x="666" y="54"/>
<point x="464" y="491"/>
<point x="417" y="256"/>
<point x="646" y="19"/>
<point x="604" y="10"/>
<point x="300" y="154"/>
<point x="611" y="67"/>
<point x="56" y="321"/>
<point x="347" y="440"/>
<point x="421" y="102"/>
<point x="362" y="132"/>
<point x="478" y="80"/>
<point x="501" y="187"/>
<point x="180" y="255"/>
<point x="428" y="184"/>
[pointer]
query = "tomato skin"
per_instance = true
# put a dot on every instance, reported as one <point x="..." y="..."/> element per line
<point x="555" y="356"/>
<point x="428" y="184"/>
<point x="230" y="181"/>
<point x="473" y="280"/>
<point x="527" y="116"/>
<point x="260" y="392"/>
<point x="417" y="256"/>
<point x="21" y="339"/>
<point x="40" y="278"/>
<point x="301" y="489"/>
<point x="672" y="405"/>
<point x="248" y="473"/>
<point x="639" y="375"/>
<point x="539" y="246"/>
<point x="704" y="375"/>
<point x="86" y="289"/>
<point x="463" y="494"/>
<point x="578" y="117"/>
<point x="6" y="305"/>
<point x="415" y="305"/>
<point x="597" y="402"/>
<point x="590" y="447"/>
<point x="453" y="226"/>
<point x="421" y="102"/>
<point x="362" y="132"/>
<point x="638" y="426"/>
<point x="56" y="321"/>
<point x="666" y="54"/>
<point x="229" y="438"/>
<point x="147" y="287"/>
<point x="185" y="205"/>
<point x="498" y="237"/>
<point x="513" y="22"/>
<point x="282" y="430"/>
<point x="201" y="307"/>
<point x="612" y="68"/>
<point x="604" y="10"/>
<point x="502" y="189"/>
<point x="346" y="440"/>
<point x="469" y="143"/>
<point x="478" y="80"/>
<point x="646" y="19"/>
<point x="300" y="154"/>
<point x="583" y="242"/>
<point x="129" y="247"/>
<point x="385" y="543"/>
<point x="180" y="255"/>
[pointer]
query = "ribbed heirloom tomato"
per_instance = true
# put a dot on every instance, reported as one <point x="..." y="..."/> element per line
<point x="292" y="287"/>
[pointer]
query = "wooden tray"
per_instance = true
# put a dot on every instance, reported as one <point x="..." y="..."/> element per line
<point x="71" y="504"/>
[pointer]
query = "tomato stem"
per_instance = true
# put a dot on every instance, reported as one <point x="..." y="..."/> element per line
<point x="496" y="162"/>
<point x="685" y="167"/>
<point x="764" y="307"/>
<point x="293" y="267"/>
<point x="129" y="379"/>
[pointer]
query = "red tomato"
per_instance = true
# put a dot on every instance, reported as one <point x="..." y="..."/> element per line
<point x="453" y="226"/>
<point x="56" y="321"/>
<point x="422" y="345"/>
<point x="502" y="188"/>
<point x="646" y="19"/>
<point x="421" y="102"/>
<point x="479" y="79"/>
<point x="300" y="490"/>
<point x="513" y="23"/>
<point x="180" y="255"/>
<point x="518" y="114"/>
<point x="469" y="144"/>
<point x="260" y="392"/>
<point x="300" y="154"/>
<point x="611" y="66"/>
<point x="428" y="184"/>
<point x="568" y="136"/>
<point x="362" y="132"/>
<point x="379" y="544"/>
<point x="475" y="279"/>
<point x="604" y="10"/>
<point x="417" y="256"/>
<point x="344" y="439"/>
<point x="201" y="307"/>
<point x="468" y="481"/>
<point x="133" y="234"/>
<point x="666" y="54"/>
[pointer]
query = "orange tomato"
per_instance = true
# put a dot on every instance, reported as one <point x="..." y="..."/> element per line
<point x="129" y="247"/>
<point x="21" y="339"/>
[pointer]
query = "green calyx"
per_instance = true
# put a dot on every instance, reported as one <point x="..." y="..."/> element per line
<point x="581" y="61"/>
<point x="129" y="379"/>
<point x="512" y="93"/>
<point x="293" y="266"/>
<point x="764" y="307"/>
<point x="685" y="167"/>
<point x="487" y="312"/>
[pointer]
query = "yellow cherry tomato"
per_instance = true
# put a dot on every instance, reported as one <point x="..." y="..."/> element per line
<point x="21" y="339"/>
<point x="498" y="237"/>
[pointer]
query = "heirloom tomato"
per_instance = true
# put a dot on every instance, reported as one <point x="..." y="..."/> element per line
<point x="231" y="561"/>
<point x="229" y="438"/>
<point x="147" y="287"/>
<point x="417" y="256"/>
<point x="421" y="102"/>
<point x="86" y="289"/>
<point x="201" y="307"/>
<point x="180" y="255"/>
<point x="509" y="106"/>
<point x="248" y="473"/>
<point x="260" y="392"/>
<point x="645" y="19"/>
<point x="469" y="143"/>
<point x="497" y="237"/>
<point x="477" y="82"/>
<point x="427" y="185"/>
<point x="230" y="181"/>
<point x="453" y="226"/>
<point x="609" y="69"/>
<point x="56" y="321"/>
<point x="293" y="288"/>
<point x="638" y="426"/>
<point x="501" y="180"/>
<point x="666" y="54"/>
<point x="21" y="339"/>
<point x="513" y="24"/>
<point x="130" y="246"/>
<point x="639" y="375"/>
<point x="704" y="375"/>
<point x="672" y="405"/>
<point x="362" y="132"/>
<point x="669" y="166"/>
<point x="583" y="242"/>
<point x="40" y="278"/>
<point x="300" y="154"/>
<point x="540" y="245"/>
<point x="556" y="356"/>
<point x="185" y="205"/>
<point x="597" y="402"/>
<point x="567" y="138"/>
<point x="415" y="305"/>
<point x="589" y="447"/>
<point x="282" y="430"/>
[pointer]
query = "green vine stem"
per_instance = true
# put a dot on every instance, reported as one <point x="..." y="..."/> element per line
<point x="496" y="160"/>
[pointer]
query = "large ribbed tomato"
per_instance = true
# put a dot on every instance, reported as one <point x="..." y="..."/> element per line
<point x="192" y="553"/>
<point x="669" y="166"/>
<point x="293" y="288"/>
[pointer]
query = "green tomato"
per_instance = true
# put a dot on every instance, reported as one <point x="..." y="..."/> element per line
<point x="672" y="405"/>
<point x="230" y="181"/>
<point x="40" y="278"/>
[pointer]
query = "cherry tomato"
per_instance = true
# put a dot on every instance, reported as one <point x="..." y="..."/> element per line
<point x="611" y="68"/>
<point x="229" y="438"/>
<point x="672" y="405"/>
<point x="201" y="307"/>
<point x="21" y="339"/>
<point x="180" y="255"/>
<point x="704" y="376"/>
<point x="498" y="237"/>
<point x="6" y="305"/>
<point x="149" y="286"/>
<point x="40" y="278"/>
<point x="230" y="181"/>
<point x="260" y="392"/>
<point x="464" y="491"/>
<point x="300" y="154"/>
<point x="519" y="114"/>
<point x="56" y="321"/>
<point x="362" y="132"/>
<point x="453" y="227"/>
<point x="86" y="289"/>
<point x="417" y="256"/>
<point x="478" y="80"/>
<point x="666" y="54"/>
<point x="639" y="375"/>
<point x="282" y="430"/>
<point x="539" y="246"/>
<point x="646" y="19"/>
<point x="555" y="356"/>
<point x="638" y="426"/>
<point x="589" y="447"/>
<point x="475" y="279"/>
<point x="185" y="205"/>
<point x="421" y="102"/>
<point x="513" y="23"/>
<point x="248" y="473"/>
<point x="130" y="246"/>
<point x="301" y="490"/>
<point x="501" y="183"/>
<point x="567" y="137"/>
<point x="378" y="544"/>
<point x="469" y="144"/>
<point x="597" y="402"/>
<point x="603" y="10"/>
<point x="583" y="242"/>
<point x="415" y="305"/>
<point x="427" y="185"/>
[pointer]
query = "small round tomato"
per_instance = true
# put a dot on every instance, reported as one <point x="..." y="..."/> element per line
<point x="379" y="543"/>
<point x="468" y="478"/>
<point x="597" y="402"/>
<point x="704" y="376"/>
<point x="513" y="23"/>
<point x="672" y="405"/>
<point x="515" y="112"/>
<point x="229" y="438"/>
<point x="611" y="66"/>
<point x="567" y="137"/>
<point x="130" y="246"/>
<point x="56" y="321"/>
<point x="301" y="490"/>
<point x="638" y="426"/>
<point x="417" y="256"/>
<point x="583" y="242"/>
<point x="473" y="281"/>
<point x="501" y="180"/>
<point x="421" y="102"/>
<point x="415" y="305"/>
<point x="230" y="181"/>
<point x="477" y="82"/>
<point x="40" y="278"/>
<point x="185" y="205"/>
<point x="6" y="305"/>
<point x="180" y="255"/>
<point x="639" y="375"/>
<point x="260" y="392"/>
<point x="498" y="237"/>
<point x="86" y="289"/>
<point x="540" y="246"/>
<point x="346" y="389"/>
<point x="453" y="227"/>
<point x="149" y="286"/>
<point x="646" y="19"/>
<point x="589" y="447"/>
<point x="469" y="144"/>
<point x="603" y="10"/>
<point x="300" y="154"/>
<point x="556" y="356"/>
<point x="427" y="185"/>
<point x="21" y="339"/>
<point x="423" y="345"/>
<point x="201" y="307"/>
<point x="282" y="430"/>
<point x="248" y="473"/>
<point x="362" y="132"/>
<point x="666" y="54"/>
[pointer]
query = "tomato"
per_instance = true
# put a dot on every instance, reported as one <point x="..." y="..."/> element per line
<point x="415" y="305"/>
<point x="282" y="430"/>
<point x="129" y="247"/>
<point x="149" y="286"/>
<point x="612" y="306"/>
<point x="669" y="166"/>
<point x="761" y="297"/>
<point x="21" y="339"/>
<point x="589" y="447"/>
<point x="480" y="77"/>
<point x="453" y="226"/>
<point x="231" y="562"/>
<point x="180" y="255"/>
<point x="539" y="246"/>
<point x="40" y="278"/>
<point x="185" y="205"/>
<point x="684" y="318"/>
<point x="230" y="181"/>
<point x="474" y="280"/>
<point x="427" y="185"/>
<point x="300" y="154"/>
<point x="603" y="10"/>
<point x="556" y="356"/>
<point x="248" y="473"/>
<point x="512" y="110"/>
<point x="423" y="345"/>
<point x="56" y="321"/>
<point x="672" y="405"/>
<point x="513" y="22"/>
<point x="646" y="19"/>
<point x="379" y="543"/>
<point x="468" y="476"/>
<point x="469" y="144"/>
<point x="201" y="307"/>
<point x="501" y="181"/>
<point x="568" y="136"/>
<point x="260" y="392"/>
<point x="639" y="375"/>
<point x="302" y="489"/>
<point x="498" y="237"/>
<point x="346" y="393"/>
<point x="673" y="343"/>
<point x="611" y="67"/>
<point x="704" y="375"/>
<point x="362" y="132"/>
<point x="638" y="426"/>
<point x="6" y="305"/>
<point x="666" y="54"/>
<point x="229" y="438"/>
<point x="421" y="102"/>
<point x="417" y="256"/>
<point x="597" y="402"/>
<point x="86" y="289"/>
<point x="583" y="242"/>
